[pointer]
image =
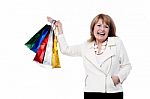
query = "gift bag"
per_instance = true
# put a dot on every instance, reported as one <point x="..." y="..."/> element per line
<point x="55" y="56"/>
<point x="41" y="51"/>
<point x="44" y="44"/>
<point x="40" y="39"/>
<point x="48" y="52"/>
<point x="32" y="40"/>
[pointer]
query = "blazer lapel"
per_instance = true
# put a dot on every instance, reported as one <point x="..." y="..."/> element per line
<point x="90" y="54"/>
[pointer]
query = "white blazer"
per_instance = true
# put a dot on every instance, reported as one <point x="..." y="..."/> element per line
<point x="114" y="61"/>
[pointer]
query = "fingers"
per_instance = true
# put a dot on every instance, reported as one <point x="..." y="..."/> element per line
<point x="49" y="19"/>
<point x="58" y="23"/>
<point x="115" y="80"/>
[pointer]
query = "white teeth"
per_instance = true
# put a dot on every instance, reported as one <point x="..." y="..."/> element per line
<point x="100" y="33"/>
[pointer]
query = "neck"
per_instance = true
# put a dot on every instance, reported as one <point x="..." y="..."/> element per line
<point x="99" y="43"/>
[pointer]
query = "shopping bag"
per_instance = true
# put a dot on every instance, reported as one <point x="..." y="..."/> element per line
<point x="40" y="39"/>
<point x="55" y="55"/>
<point x="44" y="44"/>
<point x="39" y="57"/>
<point x="33" y="39"/>
<point x="48" y="52"/>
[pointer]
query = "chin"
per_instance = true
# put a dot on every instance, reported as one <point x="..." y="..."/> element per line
<point x="101" y="38"/>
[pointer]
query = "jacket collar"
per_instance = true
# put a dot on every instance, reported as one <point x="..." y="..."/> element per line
<point x="111" y="42"/>
<point x="90" y="55"/>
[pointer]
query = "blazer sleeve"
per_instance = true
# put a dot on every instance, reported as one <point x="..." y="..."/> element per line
<point x="125" y="65"/>
<point x="75" y="50"/>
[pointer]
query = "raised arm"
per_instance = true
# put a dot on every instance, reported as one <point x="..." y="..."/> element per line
<point x="75" y="50"/>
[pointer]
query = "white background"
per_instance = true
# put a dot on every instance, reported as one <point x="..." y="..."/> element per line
<point x="21" y="78"/>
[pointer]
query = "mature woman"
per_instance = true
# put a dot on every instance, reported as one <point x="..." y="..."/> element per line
<point x="104" y="56"/>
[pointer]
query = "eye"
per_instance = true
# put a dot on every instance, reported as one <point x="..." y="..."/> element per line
<point x="99" y="25"/>
<point x="106" y="26"/>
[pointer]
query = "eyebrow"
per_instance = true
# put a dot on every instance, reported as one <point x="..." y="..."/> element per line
<point x="102" y="23"/>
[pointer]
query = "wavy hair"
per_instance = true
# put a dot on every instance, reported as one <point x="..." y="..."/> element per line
<point x="108" y="20"/>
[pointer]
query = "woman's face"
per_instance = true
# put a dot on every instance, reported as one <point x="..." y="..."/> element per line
<point x="101" y="30"/>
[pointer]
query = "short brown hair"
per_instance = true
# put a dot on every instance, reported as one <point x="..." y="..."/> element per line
<point x="108" y="20"/>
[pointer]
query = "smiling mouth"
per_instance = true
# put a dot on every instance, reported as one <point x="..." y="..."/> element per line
<point x="101" y="33"/>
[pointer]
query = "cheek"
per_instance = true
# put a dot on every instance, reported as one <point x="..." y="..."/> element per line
<point x="95" y="31"/>
<point x="107" y="32"/>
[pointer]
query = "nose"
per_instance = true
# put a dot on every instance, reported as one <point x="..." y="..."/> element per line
<point x="102" y="27"/>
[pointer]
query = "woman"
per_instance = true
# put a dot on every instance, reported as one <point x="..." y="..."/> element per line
<point x="104" y="56"/>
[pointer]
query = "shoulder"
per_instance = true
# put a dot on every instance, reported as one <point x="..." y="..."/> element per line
<point x="88" y="44"/>
<point x="114" y="40"/>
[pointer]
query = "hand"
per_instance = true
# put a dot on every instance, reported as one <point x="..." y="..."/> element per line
<point x="49" y="19"/>
<point x="115" y="79"/>
<point x="57" y="24"/>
